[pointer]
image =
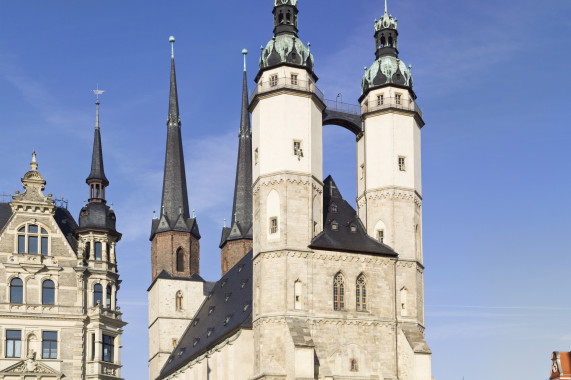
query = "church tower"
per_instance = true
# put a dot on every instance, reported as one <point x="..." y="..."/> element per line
<point x="389" y="183"/>
<point x="176" y="290"/>
<point x="97" y="237"/>
<point x="286" y="112"/>
<point x="237" y="239"/>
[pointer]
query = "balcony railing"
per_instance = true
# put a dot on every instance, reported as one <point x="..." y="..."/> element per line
<point x="334" y="105"/>
<point x="398" y="103"/>
<point x="286" y="82"/>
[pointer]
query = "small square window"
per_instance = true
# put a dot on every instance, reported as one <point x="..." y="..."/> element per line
<point x="294" y="79"/>
<point x="380" y="100"/>
<point x="297" y="149"/>
<point x="381" y="236"/>
<point x="398" y="99"/>
<point x="334" y="226"/>
<point x="256" y="157"/>
<point x="274" y="225"/>
<point x="402" y="164"/>
<point x="274" y="80"/>
<point x="353" y="228"/>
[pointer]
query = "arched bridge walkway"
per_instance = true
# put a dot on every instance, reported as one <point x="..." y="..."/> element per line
<point x="345" y="115"/>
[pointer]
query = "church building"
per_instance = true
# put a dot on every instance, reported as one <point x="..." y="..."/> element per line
<point x="311" y="288"/>
<point x="59" y="317"/>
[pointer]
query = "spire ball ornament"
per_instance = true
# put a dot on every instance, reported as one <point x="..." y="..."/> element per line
<point x="171" y="40"/>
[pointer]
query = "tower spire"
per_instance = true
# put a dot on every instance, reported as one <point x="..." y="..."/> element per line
<point x="97" y="174"/>
<point x="175" y="195"/>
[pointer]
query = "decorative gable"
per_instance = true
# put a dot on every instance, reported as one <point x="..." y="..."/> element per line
<point x="31" y="367"/>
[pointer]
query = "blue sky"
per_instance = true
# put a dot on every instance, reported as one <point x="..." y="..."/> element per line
<point x="492" y="82"/>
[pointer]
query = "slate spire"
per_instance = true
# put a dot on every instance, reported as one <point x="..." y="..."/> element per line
<point x="175" y="196"/>
<point x="97" y="172"/>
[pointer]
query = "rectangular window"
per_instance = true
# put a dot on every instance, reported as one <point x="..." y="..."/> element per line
<point x="381" y="236"/>
<point x="274" y="225"/>
<point x="21" y="244"/>
<point x="294" y="79"/>
<point x="92" y="346"/>
<point x="49" y="345"/>
<point x="13" y="343"/>
<point x="402" y="164"/>
<point x="380" y="100"/>
<point x="274" y="80"/>
<point x="108" y="348"/>
<point x="297" y="149"/>
<point x="32" y="245"/>
<point x="44" y="246"/>
<point x="98" y="251"/>
<point x="398" y="98"/>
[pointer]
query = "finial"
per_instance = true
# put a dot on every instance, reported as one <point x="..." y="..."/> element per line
<point x="34" y="163"/>
<point x="154" y="214"/>
<point x="365" y="68"/>
<point x="111" y="206"/>
<point x="180" y="210"/>
<point x="224" y="222"/>
<point x="309" y="46"/>
<point x="97" y="92"/>
<point x="171" y="40"/>
<point x="163" y="207"/>
<point x="193" y="213"/>
<point x="386" y="8"/>
<point x="245" y="53"/>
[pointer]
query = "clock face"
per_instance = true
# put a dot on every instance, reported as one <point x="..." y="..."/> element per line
<point x="554" y="368"/>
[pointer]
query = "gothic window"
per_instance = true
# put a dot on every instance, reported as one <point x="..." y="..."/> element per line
<point x="380" y="100"/>
<point x="297" y="294"/>
<point x="16" y="291"/>
<point x="49" y="345"/>
<point x="402" y="164"/>
<point x="97" y="295"/>
<point x="381" y="236"/>
<point x="383" y="41"/>
<point x="179" y="300"/>
<point x="339" y="292"/>
<point x="361" y="293"/>
<point x="294" y="79"/>
<point x="109" y="294"/>
<point x="48" y="292"/>
<point x="33" y="239"/>
<point x="98" y="251"/>
<point x="273" y="225"/>
<point x="180" y="260"/>
<point x="107" y="354"/>
<point x="274" y="80"/>
<point x="13" y="343"/>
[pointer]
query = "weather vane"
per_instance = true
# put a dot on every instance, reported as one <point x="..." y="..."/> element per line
<point x="98" y="92"/>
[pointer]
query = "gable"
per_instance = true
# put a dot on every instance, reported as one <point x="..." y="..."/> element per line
<point x="30" y="367"/>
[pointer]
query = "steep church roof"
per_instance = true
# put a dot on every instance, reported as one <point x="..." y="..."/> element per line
<point x="242" y="211"/>
<point x="174" y="214"/>
<point x="342" y="229"/>
<point x="225" y="311"/>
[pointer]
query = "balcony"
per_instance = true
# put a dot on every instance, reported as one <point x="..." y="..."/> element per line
<point x="392" y="103"/>
<point x="275" y="84"/>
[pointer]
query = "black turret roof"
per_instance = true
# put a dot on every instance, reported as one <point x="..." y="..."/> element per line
<point x="97" y="170"/>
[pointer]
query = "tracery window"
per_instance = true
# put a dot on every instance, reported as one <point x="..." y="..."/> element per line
<point x="339" y="292"/>
<point x="33" y="239"/>
<point x="48" y="292"/>
<point x="16" y="290"/>
<point x="361" y="293"/>
<point x="97" y="295"/>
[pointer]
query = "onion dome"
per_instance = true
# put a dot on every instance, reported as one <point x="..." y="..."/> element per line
<point x="286" y="47"/>
<point x="388" y="69"/>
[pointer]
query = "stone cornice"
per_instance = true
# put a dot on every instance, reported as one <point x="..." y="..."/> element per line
<point x="287" y="176"/>
<point x="390" y="193"/>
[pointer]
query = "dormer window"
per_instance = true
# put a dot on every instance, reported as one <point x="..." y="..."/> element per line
<point x="33" y="240"/>
<point x="243" y="284"/>
<point x="196" y="341"/>
<point x="227" y="297"/>
<point x="211" y="310"/>
<point x="227" y="319"/>
<point x="398" y="98"/>
<point x="335" y="226"/>
<point x="353" y="228"/>
<point x="380" y="100"/>
<point x="209" y="332"/>
<point x="334" y="208"/>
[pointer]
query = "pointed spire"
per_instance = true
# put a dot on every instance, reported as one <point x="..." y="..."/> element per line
<point x="386" y="8"/>
<point x="34" y="163"/>
<point x="175" y="194"/>
<point x="242" y="207"/>
<point x="97" y="171"/>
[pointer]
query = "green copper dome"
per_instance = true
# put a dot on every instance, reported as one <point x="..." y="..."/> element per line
<point x="286" y="48"/>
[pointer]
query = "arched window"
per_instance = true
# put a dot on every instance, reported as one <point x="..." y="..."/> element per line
<point x="281" y="17"/>
<point x="179" y="300"/>
<point x="390" y="41"/>
<point x="339" y="292"/>
<point x="16" y="291"/>
<point x="109" y="295"/>
<point x="383" y="41"/>
<point x="97" y="295"/>
<point x="288" y="17"/>
<point x="180" y="260"/>
<point x="361" y="292"/>
<point x="98" y="251"/>
<point x="48" y="292"/>
<point x="33" y="239"/>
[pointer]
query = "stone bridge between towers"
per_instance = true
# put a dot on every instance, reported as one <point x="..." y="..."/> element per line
<point x="345" y="115"/>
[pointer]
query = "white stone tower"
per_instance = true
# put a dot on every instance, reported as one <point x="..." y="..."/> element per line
<point x="287" y="188"/>
<point x="389" y="184"/>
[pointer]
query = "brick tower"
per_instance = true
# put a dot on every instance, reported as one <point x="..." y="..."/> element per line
<point x="176" y="290"/>
<point x="237" y="239"/>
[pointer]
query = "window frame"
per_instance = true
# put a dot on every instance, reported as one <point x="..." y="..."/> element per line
<point x="380" y="100"/>
<point x="98" y="251"/>
<point x="21" y="287"/>
<point x="16" y="348"/>
<point x="53" y="292"/>
<point x="52" y="345"/>
<point x="339" y="292"/>
<point x="180" y="260"/>
<point x="274" y="225"/>
<point x="108" y="343"/>
<point x="294" y="77"/>
<point x="25" y="236"/>
<point x="273" y="80"/>
<point x="402" y="163"/>
<point x="361" y="292"/>
<point x="108" y="296"/>
<point x="398" y="98"/>
<point x="95" y="293"/>
<point x="297" y="148"/>
<point x="381" y="236"/>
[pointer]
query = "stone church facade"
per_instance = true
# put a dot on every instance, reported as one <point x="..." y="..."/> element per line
<point x="58" y="283"/>
<point x="311" y="288"/>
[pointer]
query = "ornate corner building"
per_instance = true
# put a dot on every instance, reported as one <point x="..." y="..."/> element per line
<point x="59" y="317"/>
<point x="311" y="288"/>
